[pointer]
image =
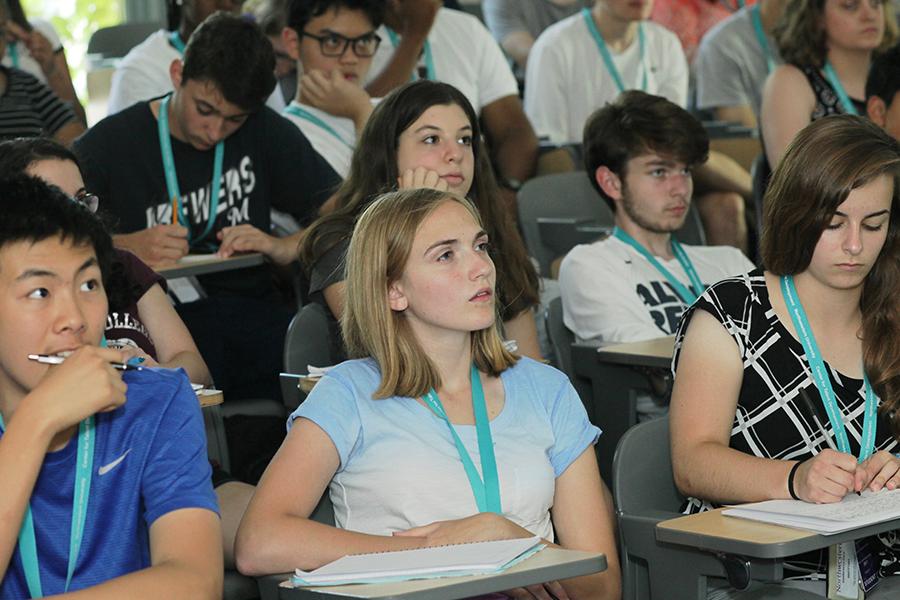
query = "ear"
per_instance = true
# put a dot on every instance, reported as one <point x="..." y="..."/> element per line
<point x="175" y="71"/>
<point x="291" y="41"/>
<point x="396" y="298"/>
<point x="609" y="182"/>
<point x="876" y="110"/>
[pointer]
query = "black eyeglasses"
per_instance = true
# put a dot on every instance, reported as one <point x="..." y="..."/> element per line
<point x="88" y="200"/>
<point x="334" y="44"/>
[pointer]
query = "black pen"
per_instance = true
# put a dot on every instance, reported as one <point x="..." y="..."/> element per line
<point x="813" y="411"/>
<point x="50" y="359"/>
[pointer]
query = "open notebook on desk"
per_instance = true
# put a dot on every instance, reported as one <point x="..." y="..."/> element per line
<point x="422" y="563"/>
<point x="852" y="512"/>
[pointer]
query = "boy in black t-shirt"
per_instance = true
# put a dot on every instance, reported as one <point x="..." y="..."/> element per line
<point x="199" y="170"/>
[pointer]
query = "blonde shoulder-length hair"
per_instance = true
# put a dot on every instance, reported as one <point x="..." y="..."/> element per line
<point x="379" y="249"/>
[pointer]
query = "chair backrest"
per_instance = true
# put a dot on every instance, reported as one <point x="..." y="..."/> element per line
<point x="307" y="342"/>
<point x="116" y="41"/>
<point x="557" y="212"/>
<point x="560" y="337"/>
<point x="558" y="196"/>
<point x="642" y="470"/>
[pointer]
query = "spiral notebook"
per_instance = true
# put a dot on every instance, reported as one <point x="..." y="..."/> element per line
<point x="852" y="512"/>
<point x="455" y="560"/>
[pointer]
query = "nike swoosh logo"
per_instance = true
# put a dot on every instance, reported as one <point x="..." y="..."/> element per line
<point x="107" y="468"/>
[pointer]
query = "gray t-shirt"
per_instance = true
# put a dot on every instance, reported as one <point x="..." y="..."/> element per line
<point x="730" y="66"/>
<point x="506" y="16"/>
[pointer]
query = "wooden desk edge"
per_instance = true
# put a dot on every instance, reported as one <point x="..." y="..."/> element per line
<point x="220" y="264"/>
<point x="662" y="347"/>
<point x="549" y="564"/>
<point x="716" y="532"/>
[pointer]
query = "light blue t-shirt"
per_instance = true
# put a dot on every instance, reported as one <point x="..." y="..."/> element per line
<point x="400" y="467"/>
<point x="149" y="460"/>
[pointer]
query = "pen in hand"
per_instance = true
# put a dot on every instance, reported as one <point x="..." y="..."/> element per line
<point x="814" y="414"/>
<point x="49" y="359"/>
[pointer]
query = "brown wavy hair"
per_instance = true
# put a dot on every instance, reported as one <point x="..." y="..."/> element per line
<point x="373" y="171"/>
<point x="826" y="161"/>
<point x="800" y="34"/>
<point x="379" y="249"/>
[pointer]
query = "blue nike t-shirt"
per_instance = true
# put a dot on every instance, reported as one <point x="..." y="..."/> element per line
<point x="149" y="459"/>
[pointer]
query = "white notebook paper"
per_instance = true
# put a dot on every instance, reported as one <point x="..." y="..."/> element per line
<point x="852" y="512"/>
<point x="422" y="563"/>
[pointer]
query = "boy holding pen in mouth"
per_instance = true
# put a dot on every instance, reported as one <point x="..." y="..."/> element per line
<point x="106" y="484"/>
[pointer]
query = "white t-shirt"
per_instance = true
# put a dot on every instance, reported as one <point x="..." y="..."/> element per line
<point x="611" y="293"/>
<point x="144" y="74"/>
<point x="399" y="467"/>
<point x="26" y="62"/>
<point x="465" y="56"/>
<point x="567" y="79"/>
<point x="338" y="151"/>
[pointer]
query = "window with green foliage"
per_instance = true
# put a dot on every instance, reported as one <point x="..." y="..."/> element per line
<point x="75" y="21"/>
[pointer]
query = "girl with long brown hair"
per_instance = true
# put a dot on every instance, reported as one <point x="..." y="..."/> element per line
<point x="425" y="133"/>
<point x="787" y="380"/>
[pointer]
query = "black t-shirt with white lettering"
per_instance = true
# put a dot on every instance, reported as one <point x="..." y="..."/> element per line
<point x="268" y="163"/>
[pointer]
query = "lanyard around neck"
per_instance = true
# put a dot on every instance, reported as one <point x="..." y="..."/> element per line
<point x="607" y="57"/>
<point x="688" y="296"/>
<point x="28" y="542"/>
<point x="487" y="490"/>
<point x="761" y="37"/>
<point x="301" y="113"/>
<point x="179" y="212"/>
<point x="13" y="51"/>
<point x="177" y="42"/>
<point x="822" y="381"/>
<point x="429" y="61"/>
<point x="838" y="87"/>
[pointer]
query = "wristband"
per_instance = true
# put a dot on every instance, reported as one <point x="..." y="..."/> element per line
<point x="791" y="480"/>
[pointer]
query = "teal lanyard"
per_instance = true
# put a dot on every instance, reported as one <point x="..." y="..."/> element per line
<point x="301" y="113"/>
<point x="823" y="383"/>
<point x="13" y="51"/>
<point x="761" y="37"/>
<point x="81" y="494"/>
<point x="835" y="82"/>
<point x="177" y="42"/>
<point x="607" y="57"/>
<point x="486" y="491"/>
<point x="429" y="61"/>
<point x="688" y="296"/>
<point x="178" y="209"/>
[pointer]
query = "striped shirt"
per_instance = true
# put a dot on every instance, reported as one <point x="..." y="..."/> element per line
<point x="29" y="109"/>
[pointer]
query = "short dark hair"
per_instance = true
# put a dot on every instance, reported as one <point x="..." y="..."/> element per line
<point x="300" y="12"/>
<point x="884" y="75"/>
<point x="34" y="211"/>
<point x="638" y="123"/>
<point x="17" y="154"/>
<point x="232" y="53"/>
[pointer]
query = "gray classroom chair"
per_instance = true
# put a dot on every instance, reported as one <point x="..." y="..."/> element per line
<point x="561" y="339"/>
<point x="308" y="342"/>
<point x="116" y="41"/>
<point x="559" y="211"/>
<point x="645" y="494"/>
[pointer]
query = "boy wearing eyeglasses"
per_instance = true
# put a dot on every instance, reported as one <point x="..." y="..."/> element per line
<point x="200" y="170"/>
<point x="333" y="42"/>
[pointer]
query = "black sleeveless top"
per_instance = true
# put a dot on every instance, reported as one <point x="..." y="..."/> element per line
<point x="770" y="421"/>
<point x="827" y="101"/>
